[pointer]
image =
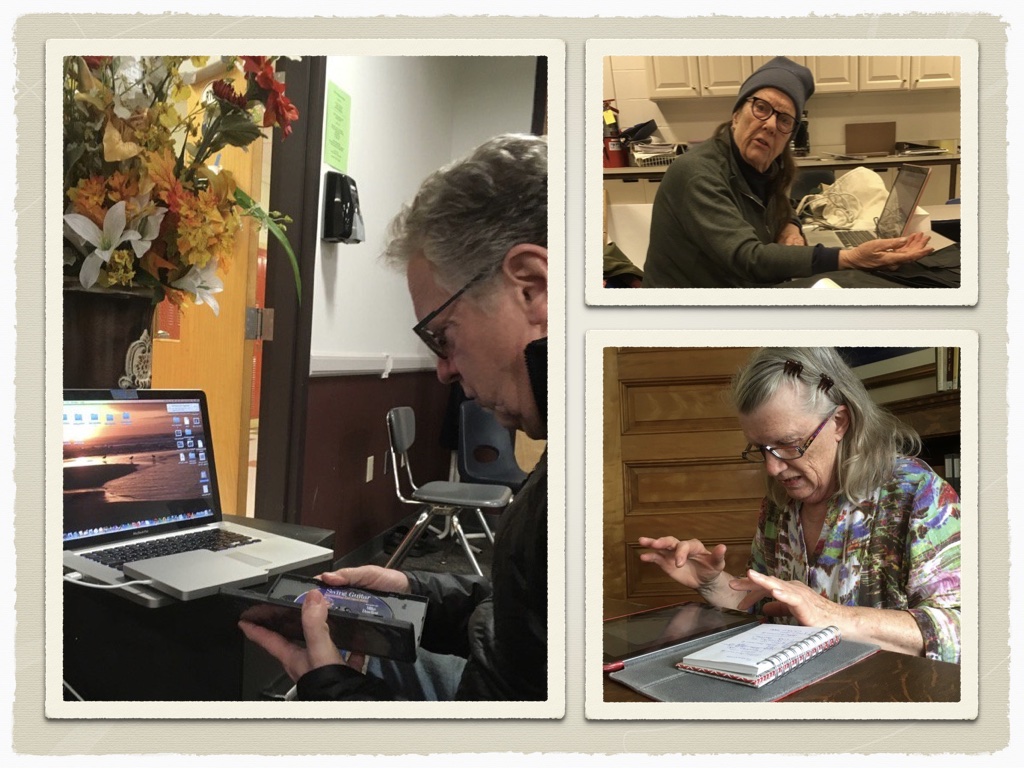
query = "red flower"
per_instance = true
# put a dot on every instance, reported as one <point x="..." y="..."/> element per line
<point x="224" y="91"/>
<point x="95" y="62"/>
<point x="280" y="110"/>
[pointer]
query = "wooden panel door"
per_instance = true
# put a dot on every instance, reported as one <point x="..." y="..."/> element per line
<point x="212" y="353"/>
<point x="935" y="72"/>
<point x="672" y="464"/>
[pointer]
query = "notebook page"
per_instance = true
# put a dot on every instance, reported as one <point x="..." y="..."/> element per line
<point x="745" y="652"/>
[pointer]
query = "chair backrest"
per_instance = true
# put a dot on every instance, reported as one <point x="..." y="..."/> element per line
<point x="486" y="449"/>
<point x="401" y="428"/>
<point x="809" y="178"/>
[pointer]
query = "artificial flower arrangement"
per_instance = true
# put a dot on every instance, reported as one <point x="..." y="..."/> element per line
<point x="143" y="207"/>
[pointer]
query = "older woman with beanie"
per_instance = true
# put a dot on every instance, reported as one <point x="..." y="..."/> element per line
<point x="722" y="217"/>
<point x="853" y="531"/>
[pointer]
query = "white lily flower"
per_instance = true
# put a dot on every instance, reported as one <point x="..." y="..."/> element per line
<point x="105" y="241"/>
<point x="148" y="228"/>
<point x="202" y="283"/>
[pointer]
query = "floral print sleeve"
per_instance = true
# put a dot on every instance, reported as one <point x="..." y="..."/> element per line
<point x="897" y="550"/>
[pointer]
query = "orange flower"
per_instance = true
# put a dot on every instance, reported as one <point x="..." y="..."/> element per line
<point x="88" y="197"/>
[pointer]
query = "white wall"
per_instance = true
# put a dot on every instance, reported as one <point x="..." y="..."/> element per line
<point x="409" y="116"/>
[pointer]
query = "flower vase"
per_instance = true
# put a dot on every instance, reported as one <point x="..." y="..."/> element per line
<point x="107" y="337"/>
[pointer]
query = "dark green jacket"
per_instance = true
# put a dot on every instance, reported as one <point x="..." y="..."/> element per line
<point x="709" y="231"/>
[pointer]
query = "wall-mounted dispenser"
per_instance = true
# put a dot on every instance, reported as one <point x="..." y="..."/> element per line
<point x="343" y="221"/>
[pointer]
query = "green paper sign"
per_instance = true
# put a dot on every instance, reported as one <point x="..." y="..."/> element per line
<point x="339" y="115"/>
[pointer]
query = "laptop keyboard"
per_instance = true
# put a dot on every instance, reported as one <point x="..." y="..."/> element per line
<point x="851" y="238"/>
<point x="215" y="539"/>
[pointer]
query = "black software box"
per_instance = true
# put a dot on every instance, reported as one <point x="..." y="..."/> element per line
<point x="383" y="624"/>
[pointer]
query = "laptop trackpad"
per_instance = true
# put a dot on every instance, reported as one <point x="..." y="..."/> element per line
<point x="257" y="562"/>
<point x="191" y="575"/>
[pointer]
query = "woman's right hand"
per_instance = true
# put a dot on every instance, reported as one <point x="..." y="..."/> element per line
<point x="885" y="254"/>
<point x="688" y="562"/>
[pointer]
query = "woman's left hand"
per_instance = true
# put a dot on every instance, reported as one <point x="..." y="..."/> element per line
<point x="791" y="235"/>
<point x="791" y="598"/>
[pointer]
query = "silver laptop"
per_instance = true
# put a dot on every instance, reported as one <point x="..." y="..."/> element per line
<point x="897" y="212"/>
<point x="141" y="500"/>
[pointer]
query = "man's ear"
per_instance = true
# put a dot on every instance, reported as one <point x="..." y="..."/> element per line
<point x="526" y="269"/>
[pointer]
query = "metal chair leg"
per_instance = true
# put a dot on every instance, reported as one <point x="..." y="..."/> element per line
<point x="486" y="527"/>
<point x="465" y="545"/>
<point x="410" y="539"/>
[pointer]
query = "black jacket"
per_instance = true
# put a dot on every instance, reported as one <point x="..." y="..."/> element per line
<point x="500" y="626"/>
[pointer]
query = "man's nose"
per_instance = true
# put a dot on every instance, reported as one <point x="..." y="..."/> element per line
<point x="447" y="373"/>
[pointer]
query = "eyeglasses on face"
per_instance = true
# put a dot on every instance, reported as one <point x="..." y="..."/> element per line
<point x="763" y="110"/>
<point x="435" y="340"/>
<point x="756" y="453"/>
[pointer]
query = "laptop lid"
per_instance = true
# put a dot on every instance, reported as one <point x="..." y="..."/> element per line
<point x="903" y="200"/>
<point x="136" y="463"/>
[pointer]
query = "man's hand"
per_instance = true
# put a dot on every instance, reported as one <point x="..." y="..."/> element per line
<point x="791" y="235"/>
<point x="368" y="577"/>
<point x="887" y="254"/>
<point x="319" y="650"/>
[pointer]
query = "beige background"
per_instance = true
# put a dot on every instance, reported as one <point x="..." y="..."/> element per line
<point x="988" y="734"/>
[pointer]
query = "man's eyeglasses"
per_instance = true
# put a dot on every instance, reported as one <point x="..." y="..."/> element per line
<point x="763" y="110"/>
<point x="756" y="453"/>
<point x="436" y="340"/>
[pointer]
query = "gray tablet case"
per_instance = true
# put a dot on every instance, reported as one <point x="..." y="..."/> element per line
<point x="656" y="676"/>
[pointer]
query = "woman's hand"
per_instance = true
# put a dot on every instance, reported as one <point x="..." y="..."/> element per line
<point x="791" y="598"/>
<point x="688" y="562"/>
<point x="791" y="235"/>
<point x="888" y="254"/>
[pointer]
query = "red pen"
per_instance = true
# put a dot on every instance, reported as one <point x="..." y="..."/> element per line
<point x="614" y="666"/>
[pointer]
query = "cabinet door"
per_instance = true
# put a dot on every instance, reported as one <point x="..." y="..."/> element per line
<point x="833" y="74"/>
<point x="934" y="72"/>
<point x="723" y="75"/>
<point x="884" y="73"/>
<point x="672" y="464"/>
<point x="759" y="61"/>
<point x="672" y="77"/>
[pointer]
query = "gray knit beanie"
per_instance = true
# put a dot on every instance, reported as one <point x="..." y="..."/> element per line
<point x="794" y="80"/>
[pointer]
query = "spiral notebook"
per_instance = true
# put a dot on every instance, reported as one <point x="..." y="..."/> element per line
<point x="759" y="655"/>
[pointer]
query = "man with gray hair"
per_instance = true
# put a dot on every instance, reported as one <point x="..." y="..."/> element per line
<point x="473" y="244"/>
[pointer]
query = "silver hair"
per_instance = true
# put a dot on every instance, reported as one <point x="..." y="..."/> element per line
<point x="867" y="454"/>
<point x="468" y="215"/>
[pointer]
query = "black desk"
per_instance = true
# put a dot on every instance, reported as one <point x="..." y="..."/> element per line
<point x="937" y="270"/>
<point x="116" y="650"/>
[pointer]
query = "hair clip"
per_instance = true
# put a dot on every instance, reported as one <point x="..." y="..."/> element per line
<point x="826" y="383"/>
<point x="793" y="368"/>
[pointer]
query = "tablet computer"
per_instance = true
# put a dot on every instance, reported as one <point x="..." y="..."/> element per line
<point x="383" y="624"/>
<point x="630" y="637"/>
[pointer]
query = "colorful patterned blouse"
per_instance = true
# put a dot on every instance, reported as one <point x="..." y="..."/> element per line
<point x="899" y="550"/>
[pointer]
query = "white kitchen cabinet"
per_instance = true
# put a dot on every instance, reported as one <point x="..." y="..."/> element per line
<point x="672" y="77"/>
<point x="884" y="73"/>
<point x="834" y="74"/>
<point x="723" y="75"/>
<point x="934" y="72"/>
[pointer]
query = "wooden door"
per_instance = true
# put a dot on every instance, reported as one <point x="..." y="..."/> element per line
<point x="211" y="352"/>
<point x="672" y="464"/>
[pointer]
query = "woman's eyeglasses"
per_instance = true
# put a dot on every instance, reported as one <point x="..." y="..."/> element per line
<point x="763" y="110"/>
<point x="756" y="453"/>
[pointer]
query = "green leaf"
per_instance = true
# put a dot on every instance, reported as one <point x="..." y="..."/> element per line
<point x="251" y="209"/>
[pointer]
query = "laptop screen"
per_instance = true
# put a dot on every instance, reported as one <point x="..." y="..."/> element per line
<point x="902" y="201"/>
<point x="135" y="463"/>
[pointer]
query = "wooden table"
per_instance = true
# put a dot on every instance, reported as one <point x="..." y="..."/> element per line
<point x="885" y="676"/>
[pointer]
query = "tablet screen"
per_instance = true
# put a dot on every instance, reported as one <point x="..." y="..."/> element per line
<point x="639" y="633"/>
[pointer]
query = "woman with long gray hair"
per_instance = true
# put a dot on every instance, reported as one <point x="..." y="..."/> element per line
<point x="853" y="531"/>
